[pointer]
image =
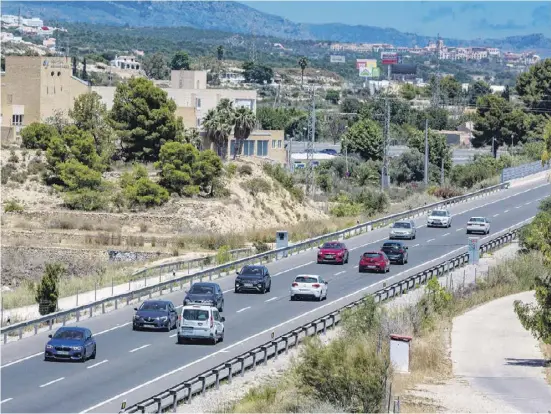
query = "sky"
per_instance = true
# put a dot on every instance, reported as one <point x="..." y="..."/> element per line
<point x="451" y="19"/>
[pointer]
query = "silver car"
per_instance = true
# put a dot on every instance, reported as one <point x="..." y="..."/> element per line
<point x="403" y="229"/>
<point x="478" y="225"/>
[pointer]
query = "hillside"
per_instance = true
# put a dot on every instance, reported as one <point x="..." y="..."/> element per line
<point x="238" y="18"/>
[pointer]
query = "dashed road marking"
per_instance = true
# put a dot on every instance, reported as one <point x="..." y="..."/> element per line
<point x="173" y="335"/>
<point x="506" y="211"/>
<point x="141" y="347"/>
<point x="447" y="234"/>
<point x="355" y="267"/>
<point x="244" y="309"/>
<point x="529" y="202"/>
<point x="415" y="245"/>
<point x="339" y="273"/>
<point x="495" y="215"/>
<point x="518" y="206"/>
<point x="459" y="229"/>
<point x="52" y="382"/>
<point x="112" y="329"/>
<point x="269" y="300"/>
<point x="294" y="268"/>
<point x="429" y="240"/>
<point x="6" y="400"/>
<point x="99" y="363"/>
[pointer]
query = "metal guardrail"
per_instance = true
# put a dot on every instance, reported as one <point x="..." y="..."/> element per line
<point x="266" y="257"/>
<point x="184" y="391"/>
<point x="523" y="170"/>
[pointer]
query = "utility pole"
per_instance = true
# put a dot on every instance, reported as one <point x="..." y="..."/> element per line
<point x="442" y="172"/>
<point x="310" y="143"/>
<point x="386" y="140"/>
<point x="426" y="152"/>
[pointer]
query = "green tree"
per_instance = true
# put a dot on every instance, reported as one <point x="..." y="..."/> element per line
<point x="47" y="292"/>
<point x="193" y="136"/>
<point x="537" y="234"/>
<point x="332" y="95"/>
<point x="144" y="119"/>
<point x="408" y="91"/>
<point x="450" y="89"/>
<point x="439" y="150"/>
<point x="90" y="114"/>
<point x="546" y="155"/>
<point x="139" y="191"/>
<point x="407" y="167"/>
<point x="364" y="138"/>
<point x="180" y="61"/>
<point x="302" y="64"/>
<point x="534" y="86"/>
<point x="254" y="73"/>
<point x="207" y="172"/>
<point x="536" y="318"/>
<point x="244" y="123"/>
<point x="38" y="135"/>
<point x="218" y="124"/>
<point x="478" y="89"/>
<point x="155" y="66"/>
<point x="220" y="52"/>
<point x="350" y="105"/>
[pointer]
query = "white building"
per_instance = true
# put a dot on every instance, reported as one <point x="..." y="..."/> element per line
<point x="126" y="62"/>
<point x="32" y="22"/>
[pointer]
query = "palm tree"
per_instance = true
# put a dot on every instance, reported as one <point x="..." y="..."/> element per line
<point x="303" y="63"/>
<point x="218" y="124"/>
<point x="193" y="136"/>
<point x="245" y="122"/>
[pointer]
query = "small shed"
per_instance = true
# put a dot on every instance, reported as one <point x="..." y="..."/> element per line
<point x="400" y="352"/>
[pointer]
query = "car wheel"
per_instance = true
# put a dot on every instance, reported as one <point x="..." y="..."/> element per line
<point x="180" y="340"/>
<point x="83" y="358"/>
<point x="213" y="340"/>
<point x="263" y="291"/>
<point x="47" y="359"/>
<point x="93" y="356"/>
<point x="269" y="287"/>
<point x="347" y="258"/>
<point x="319" y="262"/>
<point x="221" y="307"/>
<point x="293" y="298"/>
<point x="236" y="290"/>
<point x="388" y="269"/>
<point x="222" y="337"/>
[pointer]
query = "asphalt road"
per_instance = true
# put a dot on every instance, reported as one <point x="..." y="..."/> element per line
<point x="460" y="156"/>
<point x="134" y="365"/>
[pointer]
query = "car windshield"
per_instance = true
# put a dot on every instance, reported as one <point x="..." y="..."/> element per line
<point x="306" y="279"/>
<point x="249" y="270"/>
<point x="392" y="246"/>
<point x="476" y="219"/>
<point x="371" y="255"/>
<point x="201" y="289"/>
<point x="196" y="314"/>
<point x="153" y="306"/>
<point x="402" y="225"/>
<point x="69" y="334"/>
<point x="331" y="246"/>
<point x="439" y="213"/>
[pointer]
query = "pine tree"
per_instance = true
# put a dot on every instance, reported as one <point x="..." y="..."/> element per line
<point x="47" y="292"/>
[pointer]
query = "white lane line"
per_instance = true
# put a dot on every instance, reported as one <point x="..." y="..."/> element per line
<point x="355" y="267"/>
<point x="269" y="300"/>
<point x="294" y="268"/>
<point x="226" y="291"/>
<point x="99" y="363"/>
<point x="141" y="347"/>
<point x="529" y="202"/>
<point x="244" y="309"/>
<point x="460" y="229"/>
<point x="429" y="240"/>
<point x="495" y="215"/>
<point x="339" y="273"/>
<point x="269" y="330"/>
<point x="6" y="400"/>
<point x="518" y="206"/>
<point x="52" y="382"/>
<point x="173" y="335"/>
<point x="447" y="234"/>
<point x="415" y="245"/>
<point x="506" y="211"/>
<point x="112" y="329"/>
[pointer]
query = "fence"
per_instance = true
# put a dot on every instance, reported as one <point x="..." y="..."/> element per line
<point x="184" y="391"/>
<point x="123" y="299"/>
<point x="523" y="170"/>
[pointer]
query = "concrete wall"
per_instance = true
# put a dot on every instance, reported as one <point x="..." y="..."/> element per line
<point x="188" y="79"/>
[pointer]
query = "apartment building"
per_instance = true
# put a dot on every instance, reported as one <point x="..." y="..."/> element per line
<point x="33" y="89"/>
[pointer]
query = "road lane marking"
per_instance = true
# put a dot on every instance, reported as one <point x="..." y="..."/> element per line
<point x="226" y="291"/>
<point x="141" y="347"/>
<point x="113" y="328"/>
<point x="447" y="234"/>
<point x="99" y="363"/>
<point x="294" y="268"/>
<point x="6" y="400"/>
<point x="173" y="335"/>
<point x="459" y="229"/>
<point x="429" y="240"/>
<point x="52" y="382"/>
<point x="518" y="206"/>
<point x="415" y="245"/>
<point x="495" y="215"/>
<point x="339" y="273"/>
<point x="529" y="202"/>
<point x="506" y="211"/>
<point x="355" y="267"/>
<point x="244" y="309"/>
<point x="269" y="330"/>
<point x="269" y="300"/>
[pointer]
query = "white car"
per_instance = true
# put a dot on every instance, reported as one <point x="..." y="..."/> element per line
<point x="478" y="225"/>
<point x="439" y="218"/>
<point x="403" y="229"/>
<point x="309" y="286"/>
<point x="200" y="322"/>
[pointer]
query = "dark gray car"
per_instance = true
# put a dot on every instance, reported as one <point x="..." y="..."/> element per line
<point x="253" y="278"/>
<point x="155" y="314"/>
<point x="205" y="293"/>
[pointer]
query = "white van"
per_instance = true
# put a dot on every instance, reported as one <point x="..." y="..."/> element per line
<point x="200" y="322"/>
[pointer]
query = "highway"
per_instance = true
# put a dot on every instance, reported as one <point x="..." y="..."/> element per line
<point x="460" y="155"/>
<point x="134" y="365"/>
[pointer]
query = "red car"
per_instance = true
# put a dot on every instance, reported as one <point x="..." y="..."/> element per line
<point x="374" y="261"/>
<point x="333" y="252"/>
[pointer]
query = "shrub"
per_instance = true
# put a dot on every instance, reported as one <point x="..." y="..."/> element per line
<point x="261" y="247"/>
<point x="13" y="157"/>
<point x="231" y="169"/>
<point x="47" y="292"/>
<point x="7" y="171"/>
<point x="139" y="191"/>
<point x="346" y="210"/>
<point x="223" y="255"/>
<point x="255" y="186"/>
<point x="444" y="192"/>
<point x="36" y="166"/>
<point x="245" y="169"/>
<point x="12" y="206"/>
<point x="38" y="136"/>
<point x="86" y="199"/>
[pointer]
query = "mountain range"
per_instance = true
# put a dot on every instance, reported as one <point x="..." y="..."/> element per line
<point x="234" y="17"/>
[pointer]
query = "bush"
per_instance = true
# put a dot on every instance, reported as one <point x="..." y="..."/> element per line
<point x="444" y="192"/>
<point x="12" y="206"/>
<point x="36" y="166"/>
<point x="139" y="191"/>
<point x="223" y="255"/>
<point x="7" y="172"/>
<point x="47" y="292"/>
<point x="86" y="199"/>
<point x="38" y="135"/>
<point x="255" y="186"/>
<point x="261" y="247"/>
<point x="278" y="173"/>
<point x="13" y="157"/>
<point x="231" y="169"/>
<point x="346" y="210"/>
<point x="245" y="169"/>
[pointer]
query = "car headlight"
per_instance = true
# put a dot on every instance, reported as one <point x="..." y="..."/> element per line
<point x="164" y="318"/>
<point x="49" y="347"/>
<point x="76" y="348"/>
<point x="136" y="317"/>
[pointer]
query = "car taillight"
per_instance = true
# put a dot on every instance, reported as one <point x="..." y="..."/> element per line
<point x="211" y="321"/>
<point x="316" y="285"/>
<point x="295" y="284"/>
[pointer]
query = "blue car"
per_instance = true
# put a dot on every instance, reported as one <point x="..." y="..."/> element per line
<point x="155" y="314"/>
<point x="205" y="293"/>
<point x="71" y="344"/>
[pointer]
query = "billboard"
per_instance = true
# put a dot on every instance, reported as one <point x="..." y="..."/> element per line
<point x="363" y="63"/>
<point x="404" y="69"/>
<point x="337" y="59"/>
<point x="389" y="58"/>
<point x="369" y="72"/>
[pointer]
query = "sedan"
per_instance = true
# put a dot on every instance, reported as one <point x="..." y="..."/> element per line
<point x="439" y="218"/>
<point x="155" y="314"/>
<point x="374" y="261"/>
<point x="396" y="252"/>
<point x="478" y="225"/>
<point x="333" y="252"/>
<point x="71" y="344"/>
<point x="205" y="293"/>
<point x="253" y="278"/>
<point x="403" y="229"/>
<point x="309" y="286"/>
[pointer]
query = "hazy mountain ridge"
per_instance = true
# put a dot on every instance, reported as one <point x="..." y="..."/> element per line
<point x="238" y="18"/>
